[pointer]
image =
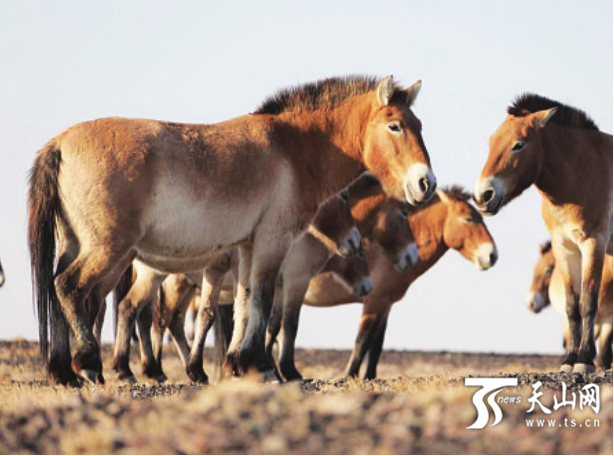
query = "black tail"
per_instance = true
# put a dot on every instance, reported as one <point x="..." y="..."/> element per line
<point x="121" y="290"/>
<point x="44" y="207"/>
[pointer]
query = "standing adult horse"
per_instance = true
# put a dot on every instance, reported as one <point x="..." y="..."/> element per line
<point x="561" y="151"/>
<point x="176" y="195"/>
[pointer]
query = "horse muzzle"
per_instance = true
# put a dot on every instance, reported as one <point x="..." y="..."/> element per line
<point x="364" y="287"/>
<point x="350" y="245"/>
<point x="535" y="302"/>
<point x="488" y="196"/>
<point x="420" y="185"/>
<point x="486" y="256"/>
<point x="408" y="258"/>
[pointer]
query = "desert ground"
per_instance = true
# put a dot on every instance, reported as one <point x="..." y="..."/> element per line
<point x="418" y="405"/>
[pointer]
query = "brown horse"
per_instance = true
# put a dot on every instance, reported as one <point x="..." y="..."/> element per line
<point x="176" y="195"/>
<point x="561" y="151"/>
<point x="448" y="221"/>
<point x="548" y="287"/>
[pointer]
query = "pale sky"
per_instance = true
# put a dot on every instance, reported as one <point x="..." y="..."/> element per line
<point x="68" y="61"/>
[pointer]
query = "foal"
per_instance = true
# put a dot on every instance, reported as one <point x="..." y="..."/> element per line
<point x="448" y="221"/>
<point x="177" y="195"/>
<point x="561" y="151"/>
<point x="548" y="287"/>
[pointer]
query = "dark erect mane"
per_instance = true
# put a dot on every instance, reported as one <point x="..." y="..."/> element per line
<point x="565" y="115"/>
<point x="455" y="192"/>
<point x="320" y="94"/>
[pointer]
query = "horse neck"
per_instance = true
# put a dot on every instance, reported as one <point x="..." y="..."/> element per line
<point x="427" y="225"/>
<point x="326" y="144"/>
<point x="366" y="207"/>
<point x="563" y="150"/>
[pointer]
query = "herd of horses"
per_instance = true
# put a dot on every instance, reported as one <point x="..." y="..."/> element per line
<point x="323" y="196"/>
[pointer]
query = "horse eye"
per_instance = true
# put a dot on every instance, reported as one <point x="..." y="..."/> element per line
<point x="394" y="127"/>
<point x="405" y="213"/>
<point x="518" y="146"/>
<point x="469" y="219"/>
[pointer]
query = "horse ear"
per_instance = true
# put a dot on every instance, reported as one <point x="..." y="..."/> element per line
<point x="541" y="118"/>
<point x="545" y="247"/>
<point x="412" y="92"/>
<point x="442" y="196"/>
<point x="385" y="91"/>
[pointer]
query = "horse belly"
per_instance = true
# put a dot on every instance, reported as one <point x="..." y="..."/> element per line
<point x="181" y="230"/>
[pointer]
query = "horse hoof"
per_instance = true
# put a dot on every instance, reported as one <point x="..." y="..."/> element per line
<point x="90" y="376"/>
<point x="160" y="379"/>
<point x="198" y="376"/>
<point x="131" y="379"/>
<point x="582" y="368"/>
<point x="566" y="368"/>
<point x="270" y="376"/>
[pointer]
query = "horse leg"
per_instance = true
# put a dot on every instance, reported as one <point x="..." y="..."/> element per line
<point x="97" y="308"/>
<point x="605" y="346"/>
<point x="366" y="332"/>
<point x="592" y="267"/>
<point x="210" y="291"/>
<point x="164" y="307"/>
<point x="60" y="369"/>
<point x="240" y="311"/>
<point x="177" y="325"/>
<point x="142" y="292"/>
<point x="567" y="264"/>
<point x="151" y="366"/>
<point x="275" y="321"/>
<point x="190" y="325"/>
<point x="376" y="348"/>
<point x="266" y="262"/>
<point x="292" y="294"/>
<point x="74" y="286"/>
<point x="99" y="322"/>
<point x="158" y="328"/>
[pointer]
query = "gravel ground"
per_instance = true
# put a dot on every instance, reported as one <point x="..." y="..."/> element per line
<point x="420" y="405"/>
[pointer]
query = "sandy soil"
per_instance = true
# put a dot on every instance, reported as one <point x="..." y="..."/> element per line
<point x="419" y="405"/>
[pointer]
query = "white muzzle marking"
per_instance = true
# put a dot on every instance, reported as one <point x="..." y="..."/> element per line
<point x="413" y="193"/>
<point x="486" y="256"/>
<point x="535" y="302"/>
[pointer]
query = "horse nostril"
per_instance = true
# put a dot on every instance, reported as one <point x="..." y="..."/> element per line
<point x="487" y="196"/>
<point x="493" y="258"/>
<point x="352" y="244"/>
<point x="423" y="184"/>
